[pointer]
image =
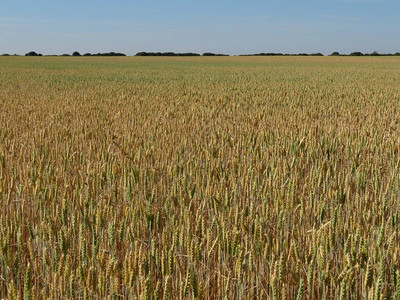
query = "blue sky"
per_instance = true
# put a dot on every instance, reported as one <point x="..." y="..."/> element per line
<point x="234" y="27"/>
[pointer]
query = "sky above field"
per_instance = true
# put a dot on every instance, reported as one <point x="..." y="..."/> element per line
<point x="233" y="27"/>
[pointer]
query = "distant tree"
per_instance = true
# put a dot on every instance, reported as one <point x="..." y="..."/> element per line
<point x="375" y="53"/>
<point x="357" y="53"/>
<point x="32" y="53"/>
<point x="106" y="54"/>
<point x="214" y="54"/>
<point x="335" y="53"/>
<point x="76" y="53"/>
<point x="112" y="54"/>
<point x="165" y="54"/>
<point x="65" y="54"/>
<point x="269" y="54"/>
<point x="5" y="54"/>
<point x="397" y="54"/>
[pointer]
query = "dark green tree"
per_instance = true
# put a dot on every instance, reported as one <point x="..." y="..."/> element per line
<point x="32" y="53"/>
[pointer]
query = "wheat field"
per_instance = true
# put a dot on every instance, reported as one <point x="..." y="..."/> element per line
<point x="200" y="178"/>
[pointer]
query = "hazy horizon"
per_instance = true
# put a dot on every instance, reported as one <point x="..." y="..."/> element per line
<point x="231" y="27"/>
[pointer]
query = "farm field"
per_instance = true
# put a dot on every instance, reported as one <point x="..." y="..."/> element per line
<point x="200" y="178"/>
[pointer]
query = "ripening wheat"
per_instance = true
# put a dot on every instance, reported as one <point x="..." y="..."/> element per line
<point x="199" y="178"/>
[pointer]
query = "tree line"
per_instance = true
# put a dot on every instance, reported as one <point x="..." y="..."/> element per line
<point x="76" y="53"/>
<point x="178" y="54"/>
<point x="358" y="53"/>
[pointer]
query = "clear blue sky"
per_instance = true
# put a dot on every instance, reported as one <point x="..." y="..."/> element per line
<point x="253" y="26"/>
